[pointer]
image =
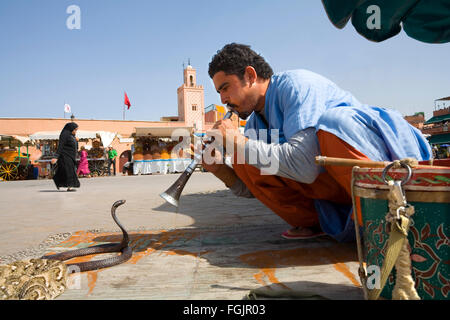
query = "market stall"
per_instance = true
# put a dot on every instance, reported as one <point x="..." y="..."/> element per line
<point x="94" y="142"/>
<point x="161" y="150"/>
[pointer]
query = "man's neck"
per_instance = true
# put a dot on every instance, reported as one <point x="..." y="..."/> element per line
<point x="263" y="86"/>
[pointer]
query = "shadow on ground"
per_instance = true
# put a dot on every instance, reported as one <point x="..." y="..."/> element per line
<point x="304" y="290"/>
<point x="221" y="209"/>
<point x="243" y="248"/>
<point x="252" y="242"/>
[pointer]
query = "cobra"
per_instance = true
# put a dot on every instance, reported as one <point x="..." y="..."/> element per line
<point x="123" y="247"/>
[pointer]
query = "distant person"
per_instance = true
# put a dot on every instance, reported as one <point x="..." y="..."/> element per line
<point x="83" y="166"/>
<point x="128" y="166"/>
<point x="65" y="158"/>
<point x="435" y="152"/>
<point x="112" y="155"/>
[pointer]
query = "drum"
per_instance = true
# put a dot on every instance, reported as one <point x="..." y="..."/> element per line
<point x="428" y="190"/>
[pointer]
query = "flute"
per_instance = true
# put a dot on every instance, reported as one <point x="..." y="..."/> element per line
<point x="172" y="195"/>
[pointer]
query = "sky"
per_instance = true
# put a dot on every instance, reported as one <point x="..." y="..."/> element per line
<point x="139" y="46"/>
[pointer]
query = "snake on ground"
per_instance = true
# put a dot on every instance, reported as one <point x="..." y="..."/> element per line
<point x="47" y="278"/>
<point x="122" y="247"/>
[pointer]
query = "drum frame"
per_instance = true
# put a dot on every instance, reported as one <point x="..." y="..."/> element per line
<point x="414" y="193"/>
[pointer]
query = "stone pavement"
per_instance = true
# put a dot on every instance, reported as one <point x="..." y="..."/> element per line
<point x="217" y="246"/>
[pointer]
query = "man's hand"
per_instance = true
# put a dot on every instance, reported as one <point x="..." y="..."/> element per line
<point x="53" y="161"/>
<point x="215" y="163"/>
<point x="218" y="168"/>
<point x="225" y="132"/>
<point x="228" y="136"/>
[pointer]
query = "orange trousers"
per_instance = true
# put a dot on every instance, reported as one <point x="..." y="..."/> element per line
<point x="294" y="201"/>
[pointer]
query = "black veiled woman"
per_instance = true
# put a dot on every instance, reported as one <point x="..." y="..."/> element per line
<point x="66" y="171"/>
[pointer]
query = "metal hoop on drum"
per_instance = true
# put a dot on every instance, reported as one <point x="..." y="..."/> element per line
<point x="404" y="165"/>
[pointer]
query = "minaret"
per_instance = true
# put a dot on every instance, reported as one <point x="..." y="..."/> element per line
<point x="191" y="106"/>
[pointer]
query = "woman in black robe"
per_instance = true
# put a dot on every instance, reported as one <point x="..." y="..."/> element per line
<point x="66" y="170"/>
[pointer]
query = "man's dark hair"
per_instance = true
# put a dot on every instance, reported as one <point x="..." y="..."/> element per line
<point x="234" y="58"/>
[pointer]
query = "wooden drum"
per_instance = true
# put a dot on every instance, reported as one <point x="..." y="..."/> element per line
<point x="428" y="190"/>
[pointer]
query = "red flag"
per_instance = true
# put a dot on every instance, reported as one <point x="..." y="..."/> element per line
<point x="127" y="101"/>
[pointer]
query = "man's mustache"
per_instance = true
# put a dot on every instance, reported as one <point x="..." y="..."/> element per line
<point x="242" y="115"/>
<point x="232" y="106"/>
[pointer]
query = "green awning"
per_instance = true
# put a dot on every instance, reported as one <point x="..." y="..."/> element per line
<point x="445" y="117"/>
<point x="378" y="20"/>
<point x="439" y="138"/>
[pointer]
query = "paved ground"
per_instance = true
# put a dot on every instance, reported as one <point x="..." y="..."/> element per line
<point x="217" y="246"/>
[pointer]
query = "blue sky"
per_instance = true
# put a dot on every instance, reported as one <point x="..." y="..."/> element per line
<point x="139" y="46"/>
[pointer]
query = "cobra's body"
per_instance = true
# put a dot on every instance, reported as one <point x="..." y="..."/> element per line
<point x="122" y="247"/>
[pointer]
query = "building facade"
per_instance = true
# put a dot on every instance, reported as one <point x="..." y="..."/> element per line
<point x="191" y="113"/>
<point x="417" y="120"/>
<point x="438" y="126"/>
<point x="436" y="129"/>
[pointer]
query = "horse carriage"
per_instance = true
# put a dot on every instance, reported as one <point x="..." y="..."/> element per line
<point x="14" y="163"/>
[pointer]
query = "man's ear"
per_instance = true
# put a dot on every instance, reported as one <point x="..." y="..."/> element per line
<point x="250" y="75"/>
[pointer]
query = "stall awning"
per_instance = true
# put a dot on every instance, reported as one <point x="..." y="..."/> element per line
<point x="45" y="135"/>
<point x="106" y="137"/>
<point x="54" y="135"/>
<point x="162" y="131"/>
<point x="22" y="139"/>
<point x="439" y="138"/>
<point x="444" y="117"/>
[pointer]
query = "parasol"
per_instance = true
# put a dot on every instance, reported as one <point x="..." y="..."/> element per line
<point x="377" y="20"/>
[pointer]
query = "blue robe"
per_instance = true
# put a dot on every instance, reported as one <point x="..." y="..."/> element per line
<point x="300" y="99"/>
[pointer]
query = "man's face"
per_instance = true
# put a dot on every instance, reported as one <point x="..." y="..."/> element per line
<point x="235" y="93"/>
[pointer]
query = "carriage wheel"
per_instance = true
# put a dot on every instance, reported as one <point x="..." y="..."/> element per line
<point x="105" y="168"/>
<point x="96" y="168"/>
<point x="8" y="171"/>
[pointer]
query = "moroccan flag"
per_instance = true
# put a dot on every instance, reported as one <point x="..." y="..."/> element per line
<point x="127" y="101"/>
<point x="67" y="108"/>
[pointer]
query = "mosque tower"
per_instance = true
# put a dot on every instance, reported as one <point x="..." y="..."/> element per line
<point x="191" y="105"/>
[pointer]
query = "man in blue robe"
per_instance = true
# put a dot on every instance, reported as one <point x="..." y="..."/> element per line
<point x="308" y="115"/>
